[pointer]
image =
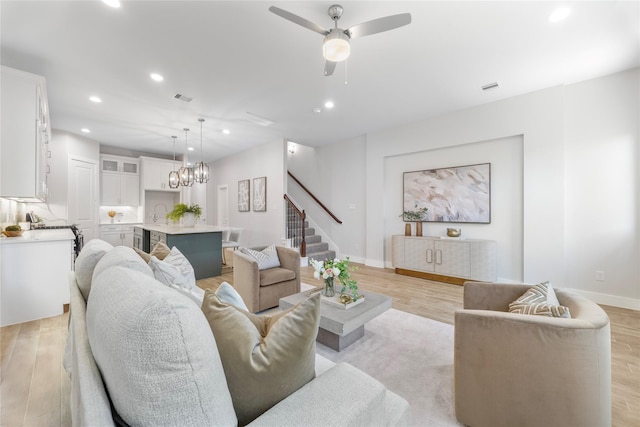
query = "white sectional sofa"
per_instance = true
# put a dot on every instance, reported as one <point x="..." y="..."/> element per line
<point x="141" y="353"/>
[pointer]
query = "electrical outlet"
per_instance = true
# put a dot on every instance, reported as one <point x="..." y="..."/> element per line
<point x="600" y="275"/>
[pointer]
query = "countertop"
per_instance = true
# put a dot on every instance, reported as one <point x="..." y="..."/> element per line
<point x="178" y="229"/>
<point x="40" y="236"/>
<point x="120" y="223"/>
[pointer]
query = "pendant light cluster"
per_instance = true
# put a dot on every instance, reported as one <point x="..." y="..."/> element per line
<point x="186" y="175"/>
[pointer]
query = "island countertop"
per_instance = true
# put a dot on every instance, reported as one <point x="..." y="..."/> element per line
<point x="178" y="229"/>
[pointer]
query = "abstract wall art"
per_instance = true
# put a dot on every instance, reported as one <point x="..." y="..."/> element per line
<point x="243" y="195"/>
<point x="260" y="194"/>
<point x="454" y="194"/>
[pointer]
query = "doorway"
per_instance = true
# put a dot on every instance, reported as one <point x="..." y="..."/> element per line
<point x="83" y="196"/>
<point x="223" y="205"/>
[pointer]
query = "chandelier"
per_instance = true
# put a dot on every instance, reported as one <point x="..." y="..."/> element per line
<point x="201" y="169"/>
<point x="185" y="172"/>
<point x="174" y="175"/>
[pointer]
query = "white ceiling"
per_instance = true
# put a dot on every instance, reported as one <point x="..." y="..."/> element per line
<point x="234" y="57"/>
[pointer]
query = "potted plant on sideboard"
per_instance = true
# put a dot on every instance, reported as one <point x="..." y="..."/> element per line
<point x="416" y="216"/>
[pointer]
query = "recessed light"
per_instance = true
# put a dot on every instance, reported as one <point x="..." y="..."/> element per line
<point x="85" y="130"/>
<point x="157" y="77"/>
<point x="112" y="3"/>
<point x="559" y="14"/>
<point x="190" y="148"/>
<point x="95" y="99"/>
<point x="317" y="110"/>
<point x="328" y="104"/>
<point x="226" y="131"/>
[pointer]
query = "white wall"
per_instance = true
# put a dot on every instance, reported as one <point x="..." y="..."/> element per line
<point x="580" y="182"/>
<point x="259" y="228"/>
<point x="505" y="156"/>
<point x="602" y="185"/>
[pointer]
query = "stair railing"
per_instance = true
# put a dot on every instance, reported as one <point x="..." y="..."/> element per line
<point x="335" y="218"/>
<point x="296" y="226"/>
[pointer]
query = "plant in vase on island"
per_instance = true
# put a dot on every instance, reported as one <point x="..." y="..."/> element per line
<point x="332" y="269"/>
<point x="182" y="210"/>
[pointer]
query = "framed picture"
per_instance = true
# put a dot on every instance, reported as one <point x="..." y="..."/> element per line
<point x="260" y="194"/>
<point x="243" y="195"/>
<point x="456" y="194"/>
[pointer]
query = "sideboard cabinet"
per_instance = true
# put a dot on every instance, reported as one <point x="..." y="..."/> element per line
<point x="445" y="260"/>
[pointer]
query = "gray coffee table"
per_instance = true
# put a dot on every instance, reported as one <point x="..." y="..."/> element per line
<point x="339" y="328"/>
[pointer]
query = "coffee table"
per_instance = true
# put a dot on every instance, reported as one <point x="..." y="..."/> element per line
<point x="339" y="327"/>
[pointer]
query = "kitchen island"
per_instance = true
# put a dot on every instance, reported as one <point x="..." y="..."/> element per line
<point x="201" y="244"/>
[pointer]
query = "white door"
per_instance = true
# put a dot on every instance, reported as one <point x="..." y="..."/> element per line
<point x="83" y="196"/>
<point x="223" y="206"/>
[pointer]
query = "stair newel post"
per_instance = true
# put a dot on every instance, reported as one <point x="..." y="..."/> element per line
<point x="303" y="243"/>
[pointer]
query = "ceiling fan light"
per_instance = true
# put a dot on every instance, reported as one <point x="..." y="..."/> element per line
<point x="336" y="46"/>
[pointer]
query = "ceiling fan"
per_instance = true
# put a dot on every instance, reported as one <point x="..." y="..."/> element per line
<point x="336" y="46"/>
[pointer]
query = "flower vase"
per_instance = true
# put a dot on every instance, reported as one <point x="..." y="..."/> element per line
<point x="328" y="290"/>
<point x="419" y="228"/>
<point x="407" y="229"/>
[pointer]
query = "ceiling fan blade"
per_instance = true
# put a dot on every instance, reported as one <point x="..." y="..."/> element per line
<point x="298" y="20"/>
<point x="329" y="66"/>
<point x="379" y="25"/>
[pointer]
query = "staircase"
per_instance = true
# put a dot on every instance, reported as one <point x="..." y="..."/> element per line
<point x="316" y="248"/>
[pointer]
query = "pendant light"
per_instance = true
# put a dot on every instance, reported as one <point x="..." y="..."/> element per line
<point x="186" y="173"/>
<point x="174" y="175"/>
<point x="201" y="170"/>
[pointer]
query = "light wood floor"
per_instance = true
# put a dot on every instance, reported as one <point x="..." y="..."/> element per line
<point x="34" y="388"/>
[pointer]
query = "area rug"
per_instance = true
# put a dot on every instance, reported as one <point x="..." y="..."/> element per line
<point x="413" y="357"/>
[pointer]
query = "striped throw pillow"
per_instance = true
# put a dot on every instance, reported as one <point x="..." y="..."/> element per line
<point x="266" y="258"/>
<point x="540" y="300"/>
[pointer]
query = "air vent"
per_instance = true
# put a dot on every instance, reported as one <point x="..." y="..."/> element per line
<point x="182" y="97"/>
<point x="262" y="121"/>
<point x="490" y="86"/>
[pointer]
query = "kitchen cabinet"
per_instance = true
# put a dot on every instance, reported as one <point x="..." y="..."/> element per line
<point x="155" y="173"/>
<point x="24" y="136"/>
<point x="35" y="272"/>
<point x="449" y="260"/>
<point x="119" y="181"/>
<point x="118" y="234"/>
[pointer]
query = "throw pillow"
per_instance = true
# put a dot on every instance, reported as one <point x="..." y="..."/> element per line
<point x="156" y="353"/>
<point x="86" y="262"/>
<point x="227" y="293"/>
<point x="168" y="274"/>
<point x="178" y="260"/>
<point x="266" y="258"/>
<point x="160" y="251"/>
<point x="265" y="358"/>
<point x="540" y="300"/>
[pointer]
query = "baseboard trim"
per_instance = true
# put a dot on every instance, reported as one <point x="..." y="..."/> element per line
<point x="612" y="300"/>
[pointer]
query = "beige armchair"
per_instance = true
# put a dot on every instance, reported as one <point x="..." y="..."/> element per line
<point x="262" y="289"/>
<point x="525" y="370"/>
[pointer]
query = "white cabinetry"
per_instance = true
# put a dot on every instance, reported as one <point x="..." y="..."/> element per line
<point x="25" y="136"/>
<point x="432" y="257"/>
<point x="120" y="181"/>
<point x="34" y="277"/>
<point x="117" y="234"/>
<point x="155" y="173"/>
